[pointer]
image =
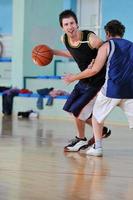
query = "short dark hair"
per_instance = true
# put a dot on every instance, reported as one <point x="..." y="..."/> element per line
<point x="67" y="14"/>
<point x="115" y="27"/>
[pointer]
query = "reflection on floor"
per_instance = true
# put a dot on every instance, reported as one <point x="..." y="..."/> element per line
<point x="33" y="165"/>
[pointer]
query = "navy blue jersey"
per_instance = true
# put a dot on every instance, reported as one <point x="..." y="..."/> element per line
<point x="119" y="77"/>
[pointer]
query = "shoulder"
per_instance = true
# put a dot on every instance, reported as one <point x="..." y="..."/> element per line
<point x="95" y="41"/>
<point x="105" y="48"/>
<point x="87" y="32"/>
<point x="105" y="45"/>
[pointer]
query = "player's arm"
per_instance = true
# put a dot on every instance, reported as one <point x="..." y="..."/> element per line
<point x="63" y="53"/>
<point x="92" y="68"/>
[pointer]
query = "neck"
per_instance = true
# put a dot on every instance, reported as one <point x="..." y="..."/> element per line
<point x="111" y="37"/>
<point x="76" y="37"/>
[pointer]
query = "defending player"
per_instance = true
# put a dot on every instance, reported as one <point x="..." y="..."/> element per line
<point x="82" y="46"/>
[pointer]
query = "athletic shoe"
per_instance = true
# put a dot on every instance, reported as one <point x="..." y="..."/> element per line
<point x="33" y="115"/>
<point x="95" y="152"/>
<point x="106" y="133"/>
<point x="76" y="144"/>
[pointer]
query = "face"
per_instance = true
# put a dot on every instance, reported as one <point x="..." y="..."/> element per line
<point x="69" y="26"/>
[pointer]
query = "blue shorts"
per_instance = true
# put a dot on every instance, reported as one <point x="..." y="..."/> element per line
<point x="81" y="95"/>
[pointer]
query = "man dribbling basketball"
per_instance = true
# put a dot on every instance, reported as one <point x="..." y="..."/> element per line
<point x="82" y="46"/>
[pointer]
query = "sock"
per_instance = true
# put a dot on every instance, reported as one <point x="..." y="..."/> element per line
<point x="98" y="144"/>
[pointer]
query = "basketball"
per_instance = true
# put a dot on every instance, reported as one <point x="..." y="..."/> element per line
<point x="42" y="55"/>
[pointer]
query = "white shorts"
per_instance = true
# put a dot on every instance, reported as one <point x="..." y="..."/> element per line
<point x="104" y="105"/>
<point x="87" y="110"/>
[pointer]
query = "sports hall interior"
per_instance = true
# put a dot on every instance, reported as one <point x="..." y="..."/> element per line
<point x="33" y="165"/>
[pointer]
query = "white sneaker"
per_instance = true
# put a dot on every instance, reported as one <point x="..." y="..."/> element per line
<point x="76" y="144"/>
<point x="95" y="152"/>
<point x="33" y="115"/>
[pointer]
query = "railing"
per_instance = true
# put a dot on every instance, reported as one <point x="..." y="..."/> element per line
<point x="5" y="59"/>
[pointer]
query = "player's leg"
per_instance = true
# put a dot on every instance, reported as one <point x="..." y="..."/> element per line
<point x="80" y="141"/>
<point x="72" y="106"/>
<point x="80" y="127"/>
<point x="103" y="106"/>
<point x="127" y="106"/>
<point x="96" y="149"/>
<point x="86" y="115"/>
<point x="106" y="132"/>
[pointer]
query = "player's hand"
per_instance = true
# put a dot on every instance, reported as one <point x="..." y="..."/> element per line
<point x="69" y="78"/>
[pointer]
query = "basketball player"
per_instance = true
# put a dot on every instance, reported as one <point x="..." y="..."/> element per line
<point x="118" y="87"/>
<point x="82" y="46"/>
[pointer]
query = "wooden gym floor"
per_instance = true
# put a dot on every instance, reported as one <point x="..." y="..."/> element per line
<point x="33" y="165"/>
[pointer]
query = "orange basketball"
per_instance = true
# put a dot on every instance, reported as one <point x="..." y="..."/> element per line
<point x="42" y="55"/>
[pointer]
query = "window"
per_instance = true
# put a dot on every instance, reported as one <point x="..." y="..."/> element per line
<point x="88" y="13"/>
